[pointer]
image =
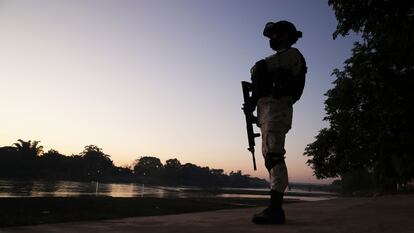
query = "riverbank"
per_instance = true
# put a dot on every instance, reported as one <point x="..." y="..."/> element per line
<point x="41" y="210"/>
<point x="385" y="214"/>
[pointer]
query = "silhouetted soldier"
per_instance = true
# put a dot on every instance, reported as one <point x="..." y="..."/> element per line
<point x="278" y="82"/>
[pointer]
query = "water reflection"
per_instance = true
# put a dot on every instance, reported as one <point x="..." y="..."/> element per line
<point x="69" y="189"/>
<point x="302" y="198"/>
<point x="22" y="188"/>
<point x="10" y="188"/>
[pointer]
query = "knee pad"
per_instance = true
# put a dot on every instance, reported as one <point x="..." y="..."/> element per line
<point x="272" y="159"/>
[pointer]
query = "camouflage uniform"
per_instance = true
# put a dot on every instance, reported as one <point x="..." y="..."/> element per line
<point x="275" y="118"/>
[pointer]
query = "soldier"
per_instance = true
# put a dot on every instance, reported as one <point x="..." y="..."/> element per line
<point x="278" y="82"/>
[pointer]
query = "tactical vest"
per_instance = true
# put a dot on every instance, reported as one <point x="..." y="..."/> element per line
<point x="279" y="82"/>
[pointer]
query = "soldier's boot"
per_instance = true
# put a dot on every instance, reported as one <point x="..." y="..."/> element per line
<point x="273" y="214"/>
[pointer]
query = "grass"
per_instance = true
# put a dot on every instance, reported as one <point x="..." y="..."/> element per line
<point x="40" y="210"/>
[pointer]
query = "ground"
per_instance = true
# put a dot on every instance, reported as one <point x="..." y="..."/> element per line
<point x="348" y="215"/>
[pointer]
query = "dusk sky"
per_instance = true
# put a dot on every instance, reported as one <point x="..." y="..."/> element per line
<point x="156" y="78"/>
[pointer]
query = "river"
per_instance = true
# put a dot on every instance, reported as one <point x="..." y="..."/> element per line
<point x="40" y="188"/>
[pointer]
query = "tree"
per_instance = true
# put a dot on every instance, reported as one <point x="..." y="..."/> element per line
<point x="28" y="148"/>
<point x="98" y="164"/>
<point x="370" y="107"/>
<point x="148" y="166"/>
<point x="173" y="164"/>
<point x="52" y="153"/>
<point x="52" y="165"/>
<point x="8" y="161"/>
<point x="25" y="163"/>
<point x="218" y="177"/>
<point x="194" y="175"/>
<point x="238" y="179"/>
<point x="172" y="171"/>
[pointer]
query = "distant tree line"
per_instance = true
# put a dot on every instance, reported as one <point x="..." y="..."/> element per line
<point x="27" y="160"/>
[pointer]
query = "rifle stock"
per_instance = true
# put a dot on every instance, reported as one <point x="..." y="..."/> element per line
<point x="250" y="118"/>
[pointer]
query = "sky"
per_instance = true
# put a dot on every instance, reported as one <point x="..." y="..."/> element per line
<point x="156" y="77"/>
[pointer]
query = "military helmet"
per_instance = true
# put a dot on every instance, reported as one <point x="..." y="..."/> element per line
<point x="282" y="27"/>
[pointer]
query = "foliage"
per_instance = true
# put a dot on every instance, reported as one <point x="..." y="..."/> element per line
<point x="150" y="170"/>
<point x="28" y="148"/>
<point x="148" y="166"/>
<point x="96" y="163"/>
<point x="370" y="107"/>
<point x="172" y="171"/>
<point x="92" y="164"/>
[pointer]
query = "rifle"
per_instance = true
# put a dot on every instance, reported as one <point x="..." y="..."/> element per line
<point x="250" y="118"/>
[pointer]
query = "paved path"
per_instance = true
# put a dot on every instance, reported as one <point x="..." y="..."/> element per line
<point x="348" y="215"/>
